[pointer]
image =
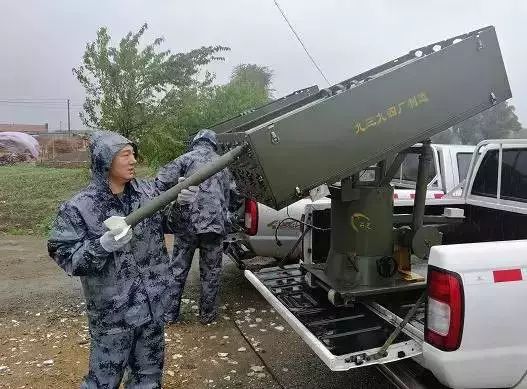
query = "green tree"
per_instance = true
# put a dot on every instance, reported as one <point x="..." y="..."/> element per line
<point x="499" y="121"/>
<point x="259" y="76"/>
<point x="187" y="110"/>
<point x="126" y="85"/>
<point x="231" y="99"/>
<point x="250" y="86"/>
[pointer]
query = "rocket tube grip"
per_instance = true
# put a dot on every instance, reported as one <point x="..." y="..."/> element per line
<point x="170" y="195"/>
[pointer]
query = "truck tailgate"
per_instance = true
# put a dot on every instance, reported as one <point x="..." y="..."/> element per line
<point x="492" y="351"/>
<point x="344" y="337"/>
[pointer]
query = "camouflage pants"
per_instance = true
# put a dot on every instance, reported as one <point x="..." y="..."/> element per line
<point x="210" y="256"/>
<point x="139" y="351"/>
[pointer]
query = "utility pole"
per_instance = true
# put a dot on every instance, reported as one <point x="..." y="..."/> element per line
<point x="69" y="123"/>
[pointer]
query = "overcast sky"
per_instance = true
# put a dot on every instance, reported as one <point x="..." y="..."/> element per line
<point x="42" y="40"/>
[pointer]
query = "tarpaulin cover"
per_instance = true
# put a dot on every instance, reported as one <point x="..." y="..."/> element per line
<point x="19" y="143"/>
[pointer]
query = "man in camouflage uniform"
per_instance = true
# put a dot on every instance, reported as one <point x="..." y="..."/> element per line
<point x="127" y="283"/>
<point x="202" y="224"/>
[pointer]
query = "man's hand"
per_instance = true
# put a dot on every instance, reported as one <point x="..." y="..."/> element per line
<point x="187" y="196"/>
<point x="109" y="242"/>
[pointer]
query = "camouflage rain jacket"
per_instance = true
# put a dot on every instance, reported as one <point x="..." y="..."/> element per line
<point x="210" y="212"/>
<point x="131" y="286"/>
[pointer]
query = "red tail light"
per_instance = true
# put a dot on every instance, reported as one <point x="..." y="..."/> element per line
<point x="445" y="309"/>
<point x="251" y="217"/>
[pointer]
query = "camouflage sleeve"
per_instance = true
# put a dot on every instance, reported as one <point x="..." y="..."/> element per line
<point x="168" y="175"/>
<point x="70" y="247"/>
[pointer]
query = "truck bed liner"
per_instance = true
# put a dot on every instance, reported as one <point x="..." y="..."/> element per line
<point x="343" y="337"/>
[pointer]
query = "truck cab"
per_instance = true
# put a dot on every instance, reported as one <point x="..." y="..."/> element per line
<point x="490" y="351"/>
<point x="449" y="168"/>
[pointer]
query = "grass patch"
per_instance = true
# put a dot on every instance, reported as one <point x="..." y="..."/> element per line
<point x="30" y="195"/>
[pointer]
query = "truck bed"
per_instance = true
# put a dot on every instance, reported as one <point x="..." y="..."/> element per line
<point x="343" y="337"/>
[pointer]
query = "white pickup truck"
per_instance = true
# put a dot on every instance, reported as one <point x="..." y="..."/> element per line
<point x="470" y="332"/>
<point x="271" y="233"/>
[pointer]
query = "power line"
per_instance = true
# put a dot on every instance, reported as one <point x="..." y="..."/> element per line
<point x="302" y="43"/>
<point x="35" y="101"/>
<point x="32" y="101"/>
<point x="62" y="107"/>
